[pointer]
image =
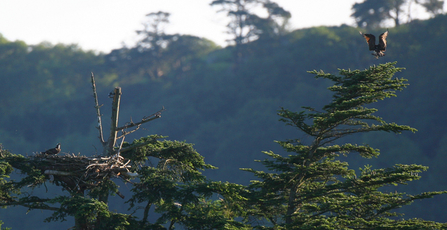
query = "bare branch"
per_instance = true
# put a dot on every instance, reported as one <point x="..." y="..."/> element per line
<point x="98" y="113"/>
<point x="143" y="120"/>
<point x="124" y="133"/>
<point x="30" y="205"/>
<point x="121" y="146"/>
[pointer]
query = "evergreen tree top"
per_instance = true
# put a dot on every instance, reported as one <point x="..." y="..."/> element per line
<point x="314" y="189"/>
<point x="346" y="113"/>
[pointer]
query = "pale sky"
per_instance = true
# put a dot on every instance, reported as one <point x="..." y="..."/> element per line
<point x="103" y="25"/>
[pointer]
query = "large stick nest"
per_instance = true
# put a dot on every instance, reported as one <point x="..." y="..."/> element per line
<point x="77" y="173"/>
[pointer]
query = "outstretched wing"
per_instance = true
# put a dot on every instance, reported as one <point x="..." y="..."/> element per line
<point x="382" y="41"/>
<point x="370" y="39"/>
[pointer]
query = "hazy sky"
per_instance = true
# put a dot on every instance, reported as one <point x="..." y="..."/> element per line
<point x="104" y="25"/>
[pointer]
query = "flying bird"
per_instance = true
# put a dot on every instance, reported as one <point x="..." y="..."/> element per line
<point x="54" y="150"/>
<point x="378" y="50"/>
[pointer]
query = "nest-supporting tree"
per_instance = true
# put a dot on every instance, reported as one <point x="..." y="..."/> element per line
<point x="78" y="173"/>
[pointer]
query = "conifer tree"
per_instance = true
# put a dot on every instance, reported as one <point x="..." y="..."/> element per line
<point x="313" y="187"/>
<point x="165" y="176"/>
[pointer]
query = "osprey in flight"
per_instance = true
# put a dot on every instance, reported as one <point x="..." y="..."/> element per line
<point x="378" y="49"/>
<point x="54" y="150"/>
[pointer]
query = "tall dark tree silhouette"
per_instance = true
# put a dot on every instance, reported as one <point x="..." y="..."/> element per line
<point x="433" y="7"/>
<point x="157" y="53"/>
<point x="372" y="13"/>
<point x="154" y="36"/>
<point x="246" y="26"/>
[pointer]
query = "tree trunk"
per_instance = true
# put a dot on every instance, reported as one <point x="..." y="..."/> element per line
<point x="115" y="115"/>
<point x="291" y="206"/>
<point x="81" y="223"/>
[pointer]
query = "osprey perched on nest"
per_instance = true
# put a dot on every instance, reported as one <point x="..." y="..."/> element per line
<point x="54" y="150"/>
<point x="378" y="49"/>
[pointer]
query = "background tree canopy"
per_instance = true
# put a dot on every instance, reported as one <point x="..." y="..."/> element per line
<point x="229" y="115"/>
<point x="372" y="14"/>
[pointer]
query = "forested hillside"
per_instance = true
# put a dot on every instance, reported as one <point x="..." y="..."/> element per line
<point x="226" y="106"/>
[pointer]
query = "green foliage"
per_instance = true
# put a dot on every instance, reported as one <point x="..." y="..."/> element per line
<point x="158" y="57"/>
<point x="79" y="207"/>
<point x="1" y="223"/>
<point x="170" y="181"/>
<point x="202" y="95"/>
<point x="170" y="154"/>
<point x="86" y="211"/>
<point x="56" y="70"/>
<point x="5" y="170"/>
<point x="312" y="188"/>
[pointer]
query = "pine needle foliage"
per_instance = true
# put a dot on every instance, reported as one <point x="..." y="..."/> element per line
<point x="312" y="188"/>
<point x="168" y="190"/>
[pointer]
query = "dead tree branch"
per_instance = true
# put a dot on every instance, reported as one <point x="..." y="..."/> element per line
<point x="30" y="203"/>
<point x="143" y="120"/>
<point x="98" y="112"/>
<point x="109" y="144"/>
